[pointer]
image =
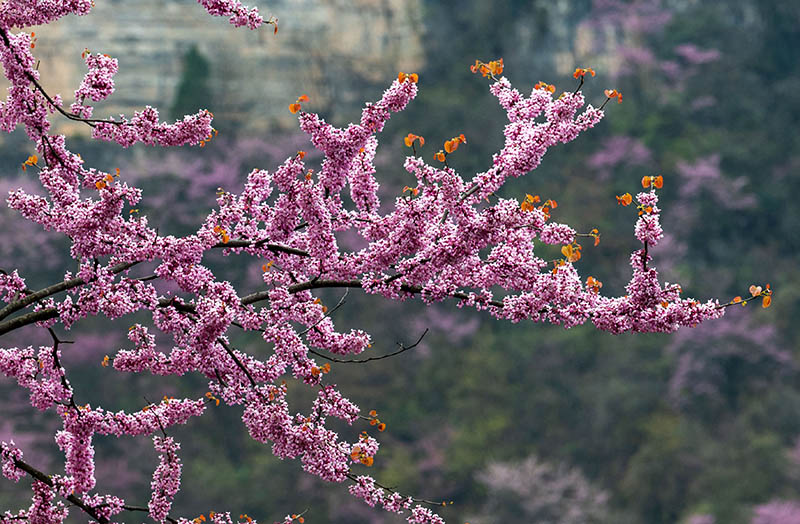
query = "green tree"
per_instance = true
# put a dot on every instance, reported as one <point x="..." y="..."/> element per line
<point x="194" y="91"/>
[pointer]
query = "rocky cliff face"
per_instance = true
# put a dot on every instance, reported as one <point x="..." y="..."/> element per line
<point x="323" y="48"/>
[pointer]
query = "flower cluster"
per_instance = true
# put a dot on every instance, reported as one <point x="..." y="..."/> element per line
<point x="240" y="15"/>
<point x="97" y="84"/>
<point x="9" y="454"/>
<point x="166" y="478"/>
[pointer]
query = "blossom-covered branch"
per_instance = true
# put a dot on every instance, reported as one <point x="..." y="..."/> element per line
<point x="447" y="237"/>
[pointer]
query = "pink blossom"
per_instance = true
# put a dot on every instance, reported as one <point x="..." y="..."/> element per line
<point x="9" y="453"/>
<point x="166" y="478"/>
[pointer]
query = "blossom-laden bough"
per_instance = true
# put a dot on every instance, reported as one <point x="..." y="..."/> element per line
<point x="448" y="237"/>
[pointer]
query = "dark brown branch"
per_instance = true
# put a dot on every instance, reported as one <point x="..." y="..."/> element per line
<point x="363" y="360"/>
<point x="579" y="86"/>
<point x="48" y="313"/>
<point x="57" y="364"/>
<point x="278" y="248"/>
<point x="119" y="268"/>
<point x="392" y="490"/>
<point x="644" y="257"/>
<point x="238" y="362"/>
<point x="141" y="508"/>
<point x="89" y="510"/>
<point x="90" y="121"/>
<point x="27" y="319"/>
<point x="52" y="290"/>
<point x="41" y="477"/>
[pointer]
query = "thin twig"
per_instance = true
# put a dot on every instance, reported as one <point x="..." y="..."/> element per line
<point x="126" y="507"/>
<point x="327" y="314"/>
<point x="363" y="360"/>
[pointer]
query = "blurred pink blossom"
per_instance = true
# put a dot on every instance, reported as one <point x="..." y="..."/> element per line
<point x="694" y="55"/>
<point x="777" y="512"/>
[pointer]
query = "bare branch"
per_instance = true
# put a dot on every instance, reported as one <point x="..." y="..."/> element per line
<point x="363" y="360"/>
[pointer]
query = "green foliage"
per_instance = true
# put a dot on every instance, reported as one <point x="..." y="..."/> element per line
<point x="194" y="91"/>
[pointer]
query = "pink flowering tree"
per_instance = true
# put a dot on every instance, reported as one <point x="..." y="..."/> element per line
<point x="449" y="237"/>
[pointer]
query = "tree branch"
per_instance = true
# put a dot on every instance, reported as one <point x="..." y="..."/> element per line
<point x="41" y="477"/>
<point x="52" y="290"/>
<point x="363" y="360"/>
<point x="90" y="121"/>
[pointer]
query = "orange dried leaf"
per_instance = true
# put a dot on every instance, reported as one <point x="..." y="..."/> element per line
<point x="294" y="108"/>
<point x="547" y="87"/>
<point x="766" y="301"/>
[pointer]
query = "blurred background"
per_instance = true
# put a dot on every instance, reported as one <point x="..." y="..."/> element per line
<point x="513" y="423"/>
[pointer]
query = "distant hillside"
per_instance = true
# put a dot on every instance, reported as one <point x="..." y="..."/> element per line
<point x="322" y="48"/>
